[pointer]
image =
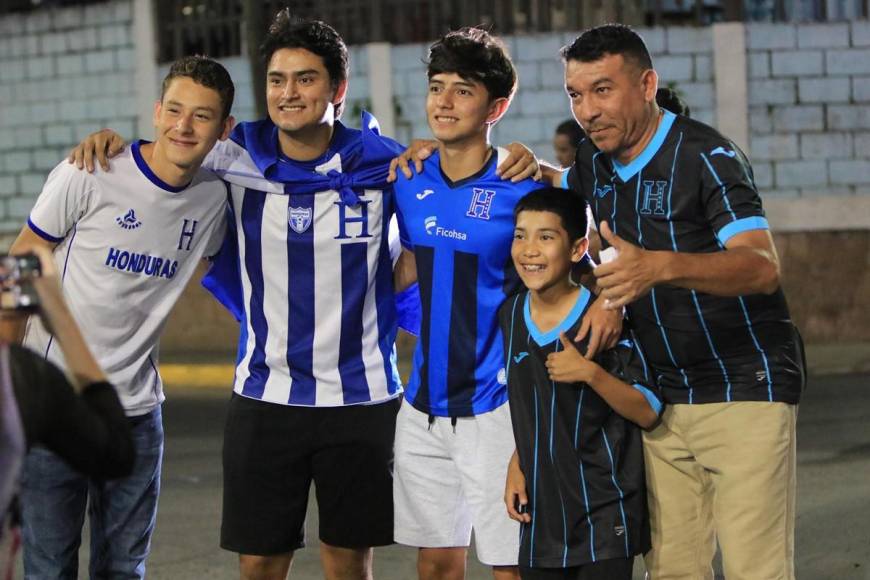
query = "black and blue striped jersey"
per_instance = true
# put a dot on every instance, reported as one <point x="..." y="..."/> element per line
<point x="461" y="234"/>
<point x="691" y="190"/>
<point x="583" y="462"/>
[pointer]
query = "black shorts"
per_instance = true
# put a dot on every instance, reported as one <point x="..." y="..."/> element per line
<point x="271" y="455"/>
<point x="612" y="569"/>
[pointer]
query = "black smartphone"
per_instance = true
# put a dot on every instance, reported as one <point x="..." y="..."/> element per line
<point x="16" y="282"/>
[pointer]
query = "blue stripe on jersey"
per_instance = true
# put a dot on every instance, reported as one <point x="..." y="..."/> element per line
<point x="653" y="401"/>
<point x="583" y="476"/>
<point x="534" y="485"/>
<point x="252" y="219"/>
<point x="626" y="172"/>
<point x="424" y="256"/>
<point x="636" y="346"/>
<point x="618" y="489"/>
<point x="712" y="346"/>
<point x="746" y="224"/>
<point x="671" y="189"/>
<point x="637" y="208"/>
<point x="232" y="235"/>
<point x="667" y="343"/>
<point x="300" y="312"/>
<point x="462" y="343"/>
<point x="386" y="304"/>
<point x="509" y="353"/>
<point x="63" y="277"/>
<point x="721" y="186"/>
<point x="42" y="233"/>
<point x="553" y="462"/>
<point x="563" y="182"/>
<point x="351" y="368"/>
<point x="758" y="348"/>
<point x="595" y="186"/>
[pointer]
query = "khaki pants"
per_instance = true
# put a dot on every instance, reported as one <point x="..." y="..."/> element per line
<point x="726" y="472"/>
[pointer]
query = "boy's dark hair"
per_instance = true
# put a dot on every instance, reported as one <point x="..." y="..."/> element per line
<point x="207" y="72"/>
<point x="667" y="98"/>
<point x="475" y="55"/>
<point x="572" y="130"/>
<point x="568" y="205"/>
<point x="315" y="36"/>
<point x="595" y="43"/>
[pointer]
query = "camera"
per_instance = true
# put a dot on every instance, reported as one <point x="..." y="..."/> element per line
<point x="16" y="282"/>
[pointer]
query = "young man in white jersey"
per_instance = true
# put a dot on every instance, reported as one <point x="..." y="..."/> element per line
<point x="127" y="242"/>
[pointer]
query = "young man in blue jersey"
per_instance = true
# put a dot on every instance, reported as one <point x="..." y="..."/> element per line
<point x="576" y="480"/>
<point x="697" y="270"/>
<point x="453" y="434"/>
<point x="127" y="241"/>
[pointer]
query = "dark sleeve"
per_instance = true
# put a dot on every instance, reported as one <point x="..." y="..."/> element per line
<point x="90" y="431"/>
<point x="728" y="195"/>
<point x="626" y="362"/>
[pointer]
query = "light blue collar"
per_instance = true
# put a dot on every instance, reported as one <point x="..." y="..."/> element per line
<point x="626" y="172"/>
<point x="545" y="338"/>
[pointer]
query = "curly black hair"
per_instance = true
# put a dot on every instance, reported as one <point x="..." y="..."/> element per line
<point x="474" y="55"/>
<point x="595" y="43"/>
<point x="315" y="36"/>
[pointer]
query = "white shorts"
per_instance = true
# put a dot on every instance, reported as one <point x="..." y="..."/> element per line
<point x="448" y="481"/>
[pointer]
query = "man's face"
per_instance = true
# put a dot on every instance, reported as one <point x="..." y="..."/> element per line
<point x="459" y="109"/>
<point x="188" y="122"/>
<point x="609" y="98"/>
<point x="299" y="91"/>
<point x="565" y="149"/>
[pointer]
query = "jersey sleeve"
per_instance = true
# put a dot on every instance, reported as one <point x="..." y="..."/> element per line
<point x="626" y="362"/>
<point x="219" y="230"/>
<point x="731" y="202"/>
<point x="62" y="202"/>
<point x="404" y="235"/>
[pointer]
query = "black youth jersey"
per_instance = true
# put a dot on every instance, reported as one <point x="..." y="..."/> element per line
<point x="691" y="190"/>
<point x="583" y="462"/>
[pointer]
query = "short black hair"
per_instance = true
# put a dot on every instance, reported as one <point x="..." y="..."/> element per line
<point x="572" y="130"/>
<point x="669" y="99"/>
<point x="596" y="43"/>
<point x="315" y="36"/>
<point x="207" y="72"/>
<point x="474" y="55"/>
<point x="567" y="204"/>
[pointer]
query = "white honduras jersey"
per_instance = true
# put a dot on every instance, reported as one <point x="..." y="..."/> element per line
<point x="318" y="326"/>
<point x="128" y="243"/>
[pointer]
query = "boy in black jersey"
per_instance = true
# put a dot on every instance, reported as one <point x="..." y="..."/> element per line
<point x="576" y="479"/>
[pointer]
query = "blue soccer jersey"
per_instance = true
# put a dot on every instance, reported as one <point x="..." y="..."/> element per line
<point x="461" y="234"/>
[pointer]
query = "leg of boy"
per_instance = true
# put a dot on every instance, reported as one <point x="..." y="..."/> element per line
<point x="123" y="512"/>
<point x="749" y="450"/>
<point x="680" y="503"/>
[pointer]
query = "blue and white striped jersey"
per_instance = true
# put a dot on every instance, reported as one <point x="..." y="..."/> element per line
<point x="461" y="234"/>
<point x="317" y="309"/>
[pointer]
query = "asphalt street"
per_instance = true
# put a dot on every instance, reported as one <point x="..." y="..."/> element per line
<point x="833" y="531"/>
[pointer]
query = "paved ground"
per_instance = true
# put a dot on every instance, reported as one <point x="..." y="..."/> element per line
<point x="833" y="531"/>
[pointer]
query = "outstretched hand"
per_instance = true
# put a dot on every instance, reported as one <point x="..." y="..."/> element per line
<point x="602" y="325"/>
<point x="519" y="164"/>
<point x="568" y="365"/>
<point x="630" y="276"/>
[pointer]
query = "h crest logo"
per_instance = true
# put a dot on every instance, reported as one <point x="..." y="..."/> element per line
<point x="653" y="197"/>
<point x="481" y="202"/>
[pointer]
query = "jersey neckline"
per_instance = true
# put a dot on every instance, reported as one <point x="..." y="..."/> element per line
<point x="545" y="338"/>
<point x="477" y="175"/>
<point x="626" y="172"/>
<point x="147" y="172"/>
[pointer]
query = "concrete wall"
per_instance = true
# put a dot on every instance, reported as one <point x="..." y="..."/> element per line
<point x="67" y="72"/>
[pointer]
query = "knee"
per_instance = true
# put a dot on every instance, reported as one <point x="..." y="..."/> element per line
<point x="346" y="563"/>
<point x="441" y="564"/>
<point x="264" y="567"/>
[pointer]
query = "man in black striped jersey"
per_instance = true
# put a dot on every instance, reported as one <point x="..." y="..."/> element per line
<point x="698" y="273"/>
